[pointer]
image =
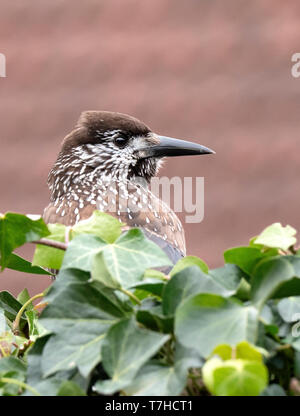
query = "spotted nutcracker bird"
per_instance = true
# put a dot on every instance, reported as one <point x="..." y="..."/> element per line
<point x="106" y="163"/>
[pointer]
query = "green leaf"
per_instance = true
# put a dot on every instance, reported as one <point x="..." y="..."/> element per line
<point x="125" y="350"/>
<point x="103" y="225"/>
<point x="35" y="378"/>
<point x="224" y="351"/>
<point x="242" y="350"/>
<point x="127" y="259"/>
<point x="116" y="265"/>
<point x="69" y="388"/>
<point x="19" y="264"/>
<point x="32" y="319"/>
<point x="229" y="277"/>
<point x="243" y="290"/>
<point x="249" y="352"/>
<point x="289" y="308"/>
<point x="268" y="276"/>
<point x="79" y="315"/>
<point x="206" y="320"/>
<point x="150" y="315"/>
<point x="190" y="357"/>
<point x="81" y="252"/>
<point x="235" y="377"/>
<point x="11" y="367"/>
<point x="16" y="230"/>
<point x="8" y="364"/>
<point x="158" y="380"/>
<point x="187" y="282"/>
<point x="273" y="390"/>
<point x="23" y="297"/>
<point x="189" y="261"/>
<point x="244" y="257"/>
<point x="277" y="236"/>
<point x="10" y="305"/>
<point x="51" y="257"/>
<point x="153" y="286"/>
<point x="101" y="274"/>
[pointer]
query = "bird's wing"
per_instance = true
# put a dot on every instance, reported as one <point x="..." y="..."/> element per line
<point x="134" y="206"/>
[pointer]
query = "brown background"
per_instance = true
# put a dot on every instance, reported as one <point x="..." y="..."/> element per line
<point x="215" y="71"/>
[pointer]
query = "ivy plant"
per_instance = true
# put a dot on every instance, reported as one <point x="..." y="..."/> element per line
<point x="111" y="323"/>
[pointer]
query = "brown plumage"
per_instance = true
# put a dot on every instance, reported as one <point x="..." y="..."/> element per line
<point x="106" y="163"/>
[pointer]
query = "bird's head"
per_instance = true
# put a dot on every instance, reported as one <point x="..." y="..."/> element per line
<point x="116" y="145"/>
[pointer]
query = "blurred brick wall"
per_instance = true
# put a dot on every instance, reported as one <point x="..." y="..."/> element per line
<point x="214" y="71"/>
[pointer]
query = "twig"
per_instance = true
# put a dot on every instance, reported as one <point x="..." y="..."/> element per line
<point x="51" y="243"/>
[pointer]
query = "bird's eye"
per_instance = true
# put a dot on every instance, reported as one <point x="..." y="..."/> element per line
<point x="121" y="141"/>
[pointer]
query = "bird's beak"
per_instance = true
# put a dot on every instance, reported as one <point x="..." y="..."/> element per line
<point x="167" y="146"/>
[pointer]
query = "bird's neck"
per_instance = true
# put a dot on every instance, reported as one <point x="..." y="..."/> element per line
<point x="69" y="175"/>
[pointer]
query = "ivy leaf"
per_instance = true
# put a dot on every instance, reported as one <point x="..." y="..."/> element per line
<point x="69" y="388"/>
<point x="116" y="265"/>
<point x="187" y="282"/>
<point x="79" y="316"/>
<point x="228" y="276"/>
<point x="51" y="257"/>
<point x="267" y="278"/>
<point x="81" y="252"/>
<point x="235" y="377"/>
<point x="277" y="236"/>
<point x="47" y="386"/>
<point x="8" y="364"/>
<point x="32" y="320"/>
<point x="11" y="367"/>
<point x="200" y="322"/>
<point x="127" y="259"/>
<point x="10" y="305"/>
<point x="242" y="350"/>
<point x="100" y="224"/>
<point x="273" y="390"/>
<point x="23" y="297"/>
<point x="188" y="356"/>
<point x="245" y="258"/>
<point x="189" y="261"/>
<point x="158" y="380"/>
<point x="150" y="315"/>
<point x="16" y="230"/>
<point x="19" y="264"/>
<point x="289" y="308"/>
<point x="103" y="225"/>
<point x="125" y="350"/>
<point x="152" y="286"/>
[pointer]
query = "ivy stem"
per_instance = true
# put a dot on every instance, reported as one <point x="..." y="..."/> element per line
<point x="20" y="313"/>
<point x="131" y="295"/>
<point x="51" y="243"/>
<point x="20" y="384"/>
